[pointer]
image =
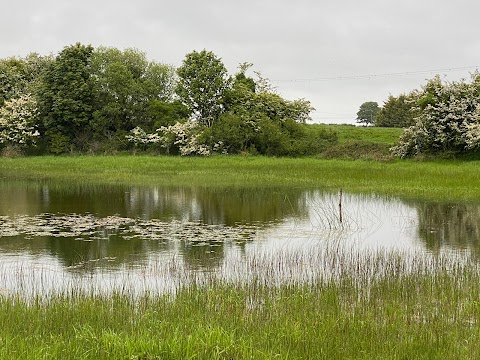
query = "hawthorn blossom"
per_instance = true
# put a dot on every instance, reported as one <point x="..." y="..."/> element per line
<point x="448" y="120"/>
<point x="17" y="122"/>
<point x="186" y="136"/>
<point x="139" y="136"/>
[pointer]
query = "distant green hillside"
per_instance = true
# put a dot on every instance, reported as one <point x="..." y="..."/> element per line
<point x="359" y="142"/>
<point x="388" y="136"/>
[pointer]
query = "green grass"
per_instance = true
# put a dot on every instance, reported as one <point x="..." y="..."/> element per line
<point x="358" y="142"/>
<point x="434" y="180"/>
<point x="384" y="307"/>
<point x="378" y="306"/>
<point x="347" y="133"/>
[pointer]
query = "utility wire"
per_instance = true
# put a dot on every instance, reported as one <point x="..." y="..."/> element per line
<point x="371" y="76"/>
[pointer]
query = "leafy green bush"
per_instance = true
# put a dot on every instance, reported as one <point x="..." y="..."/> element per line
<point x="397" y="112"/>
<point x="231" y="134"/>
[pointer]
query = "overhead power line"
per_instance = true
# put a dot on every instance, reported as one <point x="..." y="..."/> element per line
<point x="373" y="76"/>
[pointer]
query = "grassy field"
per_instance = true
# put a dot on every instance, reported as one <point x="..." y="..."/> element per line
<point x="378" y="307"/>
<point x="378" y="135"/>
<point x="358" y="142"/>
<point x="434" y="180"/>
<point x="374" y="306"/>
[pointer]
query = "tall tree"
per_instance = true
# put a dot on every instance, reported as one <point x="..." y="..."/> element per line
<point x="255" y="99"/>
<point x="12" y="78"/>
<point x="20" y="76"/>
<point x="367" y="112"/>
<point x="66" y="100"/>
<point x="396" y="112"/>
<point x="203" y="81"/>
<point x="129" y="90"/>
<point x="259" y="118"/>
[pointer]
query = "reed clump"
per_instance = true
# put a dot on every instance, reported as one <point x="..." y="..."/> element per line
<point x="331" y="304"/>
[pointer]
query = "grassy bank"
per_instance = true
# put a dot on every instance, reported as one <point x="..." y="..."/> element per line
<point x="384" y="307"/>
<point x="347" y="133"/>
<point x="436" y="180"/>
<point x="359" y="142"/>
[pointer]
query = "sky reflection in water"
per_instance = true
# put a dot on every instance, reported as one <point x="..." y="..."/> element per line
<point x="52" y="237"/>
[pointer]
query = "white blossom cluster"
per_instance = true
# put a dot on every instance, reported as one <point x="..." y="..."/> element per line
<point x="139" y="136"/>
<point x="185" y="136"/>
<point x="448" y="120"/>
<point x="17" y="121"/>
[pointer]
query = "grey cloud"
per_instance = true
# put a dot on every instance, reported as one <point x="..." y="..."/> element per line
<point x="285" y="40"/>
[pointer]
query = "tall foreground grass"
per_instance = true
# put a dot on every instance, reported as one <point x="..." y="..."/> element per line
<point x="352" y="306"/>
<point x="434" y="180"/>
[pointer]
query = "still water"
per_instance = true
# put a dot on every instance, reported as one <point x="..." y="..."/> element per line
<point x="55" y="237"/>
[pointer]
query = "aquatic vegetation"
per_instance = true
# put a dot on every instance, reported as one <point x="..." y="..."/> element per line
<point x="384" y="305"/>
<point x="88" y="227"/>
<point x="331" y="299"/>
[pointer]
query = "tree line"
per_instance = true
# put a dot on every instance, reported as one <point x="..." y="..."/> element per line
<point x="397" y="111"/>
<point x="105" y="100"/>
<point x="442" y="118"/>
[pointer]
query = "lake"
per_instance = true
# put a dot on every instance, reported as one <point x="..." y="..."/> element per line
<point x="102" y="238"/>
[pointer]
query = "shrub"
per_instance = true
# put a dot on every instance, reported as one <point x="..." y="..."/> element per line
<point x="17" y="123"/>
<point x="448" y="119"/>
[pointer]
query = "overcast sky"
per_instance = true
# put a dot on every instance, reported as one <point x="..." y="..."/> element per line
<point x="336" y="54"/>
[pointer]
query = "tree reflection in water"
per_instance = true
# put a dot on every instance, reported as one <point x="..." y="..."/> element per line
<point x="122" y="227"/>
<point x="456" y="226"/>
<point x="232" y="214"/>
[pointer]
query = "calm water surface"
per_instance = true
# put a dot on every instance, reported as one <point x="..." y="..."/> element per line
<point x="54" y="237"/>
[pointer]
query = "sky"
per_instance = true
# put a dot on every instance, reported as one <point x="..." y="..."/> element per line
<point x="336" y="54"/>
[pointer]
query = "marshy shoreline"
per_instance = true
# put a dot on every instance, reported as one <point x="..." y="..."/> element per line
<point x="370" y="305"/>
<point x="377" y="305"/>
<point x="442" y="180"/>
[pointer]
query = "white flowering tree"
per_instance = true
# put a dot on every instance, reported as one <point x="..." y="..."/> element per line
<point x="182" y="136"/>
<point x="448" y="119"/>
<point x="472" y="134"/>
<point x="141" y="139"/>
<point x="17" y="122"/>
<point x="186" y="136"/>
